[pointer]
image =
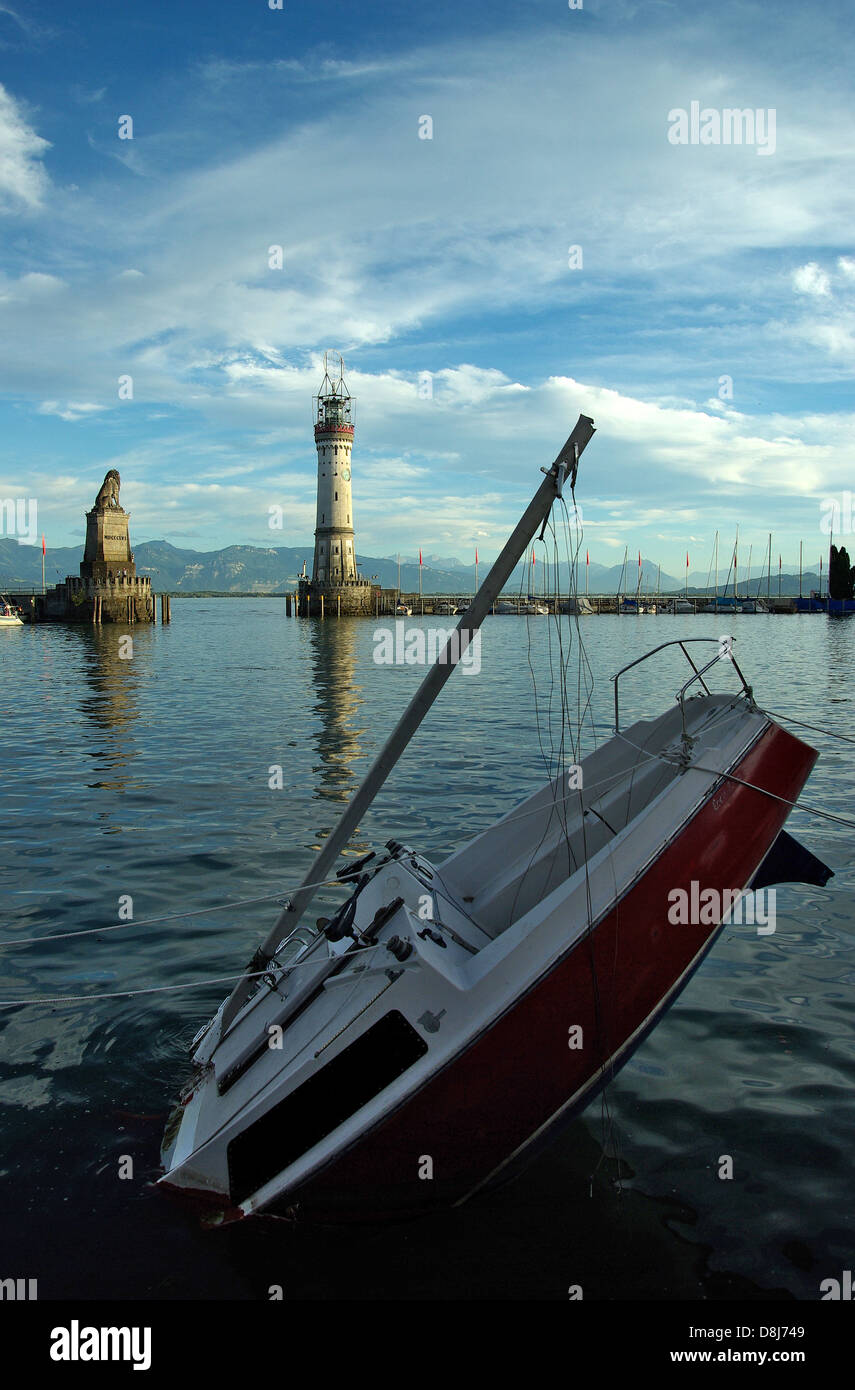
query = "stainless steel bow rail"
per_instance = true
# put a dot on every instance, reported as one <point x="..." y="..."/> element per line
<point x="698" y="672"/>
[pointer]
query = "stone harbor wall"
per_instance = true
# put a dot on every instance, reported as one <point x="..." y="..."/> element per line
<point x="357" y="599"/>
<point x="123" y="601"/>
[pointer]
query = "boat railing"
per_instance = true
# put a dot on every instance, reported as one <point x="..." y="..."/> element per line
<point x="724" y="653"/>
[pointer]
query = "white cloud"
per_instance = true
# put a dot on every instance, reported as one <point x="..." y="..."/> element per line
<point x="431" y="244"/>
<point x="23" y="180"/>
<point x="810" y="279"/>
<point x="71" y="410"/>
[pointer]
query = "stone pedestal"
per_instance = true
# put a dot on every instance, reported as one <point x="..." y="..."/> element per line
<point x="107" y="589"/>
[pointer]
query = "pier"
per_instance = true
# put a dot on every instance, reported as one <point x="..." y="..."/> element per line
<point x="391" y="603"/>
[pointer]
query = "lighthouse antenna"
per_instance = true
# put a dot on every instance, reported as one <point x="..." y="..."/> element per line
<point x="333" y="401"/>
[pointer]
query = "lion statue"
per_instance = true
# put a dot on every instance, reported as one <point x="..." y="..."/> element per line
<point x="109" y="494"/>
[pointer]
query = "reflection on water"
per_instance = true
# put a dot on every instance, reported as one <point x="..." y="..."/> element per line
<point x="111" y="677"/>
<point x="337" y="700"/>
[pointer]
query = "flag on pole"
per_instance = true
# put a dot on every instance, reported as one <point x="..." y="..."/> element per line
<point x="639" y="559"/>
<point x="420" y="555"/>
<point x="44" y="547"/>
<point x="476" y="554"/>
<point x="587" y="558"/>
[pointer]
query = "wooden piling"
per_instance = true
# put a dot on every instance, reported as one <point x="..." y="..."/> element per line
<point x="287" y="605"/>
<point x="322" y="605"/>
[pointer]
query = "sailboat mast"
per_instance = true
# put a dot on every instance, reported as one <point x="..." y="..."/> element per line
<point x="769" y="569"/>
<point x="533" y="518"/>
<point x="800" y="568"/>
<point x="715" y="591"/>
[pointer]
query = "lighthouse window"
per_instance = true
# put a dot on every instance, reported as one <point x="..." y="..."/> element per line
<point x="336" y="497"/>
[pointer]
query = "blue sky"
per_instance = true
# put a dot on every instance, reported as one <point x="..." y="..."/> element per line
<point x="256" y="127"/>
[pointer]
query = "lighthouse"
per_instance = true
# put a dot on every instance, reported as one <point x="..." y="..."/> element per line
<point x="335" y="577"/>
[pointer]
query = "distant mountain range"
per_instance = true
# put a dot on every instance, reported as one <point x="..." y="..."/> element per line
<point x="262" y="570"/>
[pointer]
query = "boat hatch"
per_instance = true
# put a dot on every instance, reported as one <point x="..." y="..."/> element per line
<point x="329" y="1097"/>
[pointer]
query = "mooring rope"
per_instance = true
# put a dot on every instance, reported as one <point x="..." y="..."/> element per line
<point x="773" y="714"/>
<point x="173" y="917"/>
<point x="166" y="989"/>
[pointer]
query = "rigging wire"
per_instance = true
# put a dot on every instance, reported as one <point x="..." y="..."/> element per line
<point x="609" y="1130"/>
<point x="731" y="777"/>
<point x="283" y="892"/>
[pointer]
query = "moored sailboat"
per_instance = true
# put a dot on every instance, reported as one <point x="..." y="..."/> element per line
<point x="9" y="616"/>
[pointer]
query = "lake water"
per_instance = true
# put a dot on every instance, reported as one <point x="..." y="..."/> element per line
<point x="149" y="777"/>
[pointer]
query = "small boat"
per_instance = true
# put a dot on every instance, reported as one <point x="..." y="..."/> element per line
<point x="578" y="606"/>
<point x="534" y="610"/>
<point x="9" y="616"/>
<point x="680" y="605"/>
<point x="445" y="608"/>
<point x="403" y="610"/>
<point x="418" y="1045"/>
<point x="504" y="608"/>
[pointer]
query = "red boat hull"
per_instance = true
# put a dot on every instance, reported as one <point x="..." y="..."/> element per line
<point x="521" y="1073"/>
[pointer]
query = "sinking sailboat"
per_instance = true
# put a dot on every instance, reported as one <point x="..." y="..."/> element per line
<point x="420" y="1043"/>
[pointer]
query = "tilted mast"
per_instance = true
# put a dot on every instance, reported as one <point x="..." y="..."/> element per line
<point x="534" y="518"/>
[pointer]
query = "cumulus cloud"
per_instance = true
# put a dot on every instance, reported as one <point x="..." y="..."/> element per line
<point x="810" y="279"/>
<point x="450" y="257"/>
